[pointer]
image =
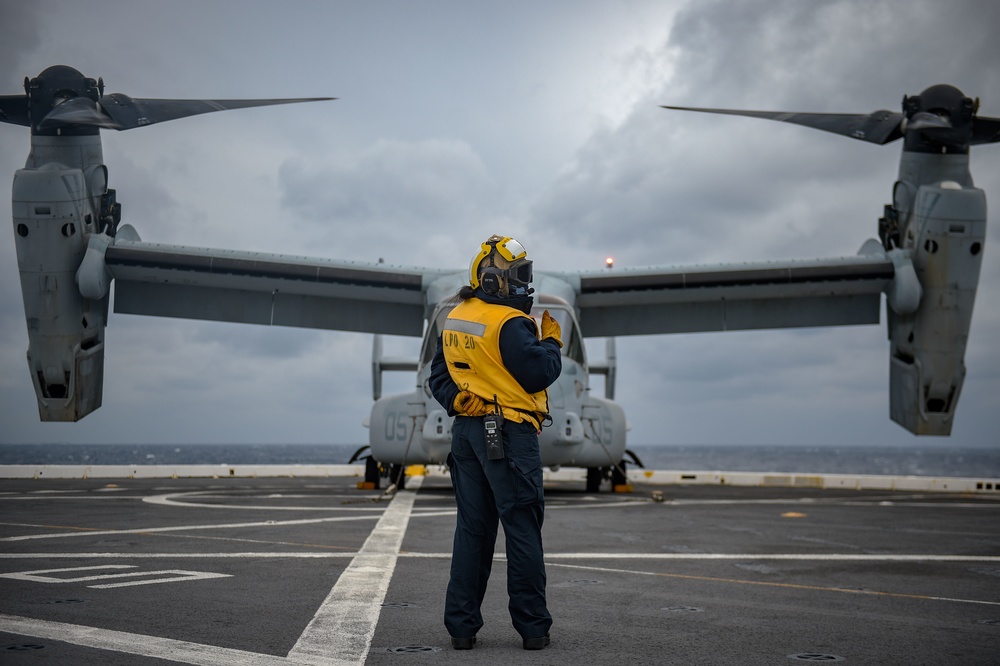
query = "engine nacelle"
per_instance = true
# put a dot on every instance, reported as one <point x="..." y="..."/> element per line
<point x="54" y="217"/>
<point x="943" y="228"/>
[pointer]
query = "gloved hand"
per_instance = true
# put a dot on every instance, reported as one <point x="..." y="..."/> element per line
<point x="551" y="328"/>
<point x="470" y="404"/>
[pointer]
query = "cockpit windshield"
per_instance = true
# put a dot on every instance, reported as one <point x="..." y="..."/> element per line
<point x="572" y="344"/>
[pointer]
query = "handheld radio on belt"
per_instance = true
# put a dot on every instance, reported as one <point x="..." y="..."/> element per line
<point x="493" y="428"/>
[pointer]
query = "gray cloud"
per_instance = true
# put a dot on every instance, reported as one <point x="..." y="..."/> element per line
<point x="456" y="121"/>
<point x="377" y="197"/>
<point x="665" y="187"/>
<point x="19" y="32"/>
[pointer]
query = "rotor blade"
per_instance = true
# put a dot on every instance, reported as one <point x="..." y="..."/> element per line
<point x="14" y="110"/>
<point x="879" y="127"/>
<point x="129" y="113"/>
<point x="121" y="112"/>
<point x="78" y="111"/>
<point x="985" y="130"/>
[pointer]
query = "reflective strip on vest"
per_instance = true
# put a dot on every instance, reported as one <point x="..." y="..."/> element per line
<point x="462" y="326"/>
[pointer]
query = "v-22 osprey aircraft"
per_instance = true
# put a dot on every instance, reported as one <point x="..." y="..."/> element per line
<point x="71" y="246"/>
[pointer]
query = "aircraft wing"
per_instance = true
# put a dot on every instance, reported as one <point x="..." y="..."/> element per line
<point x="821" y="292"/>
<point x="270" y="289"/>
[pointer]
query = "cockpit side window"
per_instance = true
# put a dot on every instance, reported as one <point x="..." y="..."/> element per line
<point x="431" y="339"/>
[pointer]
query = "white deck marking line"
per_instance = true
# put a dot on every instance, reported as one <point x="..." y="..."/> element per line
<point x="166" y="576"/>
<point x="179" y="528"/>
<point x="175" y="575"/>
<point x="146" y="646"/>
<point x="342" y="629"/>
<point x="886" y="502"/>
<point x="70" y="497"/>
<point x="308" y="555"/>
<point x="168" y="500"/>
<point x="821" y="557"/>
<point x="293" y="555"/>
<point x="793" y="586"/>
<point x="339" y="635"/>
<point x="829" y="557"/>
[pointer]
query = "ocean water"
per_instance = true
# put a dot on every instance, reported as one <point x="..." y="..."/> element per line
<point x="898" y="461"/>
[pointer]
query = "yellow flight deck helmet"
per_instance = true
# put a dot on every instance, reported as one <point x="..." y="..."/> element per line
<point x="501" y="267"/>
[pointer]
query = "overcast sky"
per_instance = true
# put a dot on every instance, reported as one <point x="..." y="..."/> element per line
<point x="539" y="120"/>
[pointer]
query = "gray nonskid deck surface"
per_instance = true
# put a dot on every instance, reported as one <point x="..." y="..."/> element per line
<point x="282" y="571"/>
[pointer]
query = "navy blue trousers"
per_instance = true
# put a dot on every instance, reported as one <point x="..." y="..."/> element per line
<point x="508" y="491"/>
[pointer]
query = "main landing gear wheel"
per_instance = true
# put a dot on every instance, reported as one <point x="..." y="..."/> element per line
<point x="594" y="477"/>
<point x="372" y="471"/>
<point x="616" y="473"/>
<point x="597" y="475"/>
<point x="376" y="471"/>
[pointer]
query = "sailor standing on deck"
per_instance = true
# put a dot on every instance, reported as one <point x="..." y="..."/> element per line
<point x="491" y="372"/>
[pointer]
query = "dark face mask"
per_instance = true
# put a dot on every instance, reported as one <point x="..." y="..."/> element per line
<point x="522" y="303"/>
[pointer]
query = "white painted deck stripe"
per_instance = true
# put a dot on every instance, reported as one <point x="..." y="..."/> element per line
<point x="309" y="555"/>
<point x="791" y="586"/>
<point x="145" y="646"/>
<point x="183" y="499"/>
<point x="817" y="557"/>
<point x="178" y="528"/>
<point x="340" y="634"/>
<point x="342" y="629"/>
<point x="292" y="555"/>
<point x="824" y="557"/>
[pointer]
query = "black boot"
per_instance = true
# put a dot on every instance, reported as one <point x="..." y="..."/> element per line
<point x="465" y="643"/>
<point x="536" y="643"/>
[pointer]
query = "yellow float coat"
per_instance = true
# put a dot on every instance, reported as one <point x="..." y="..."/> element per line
<point x="471" y="344"/>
